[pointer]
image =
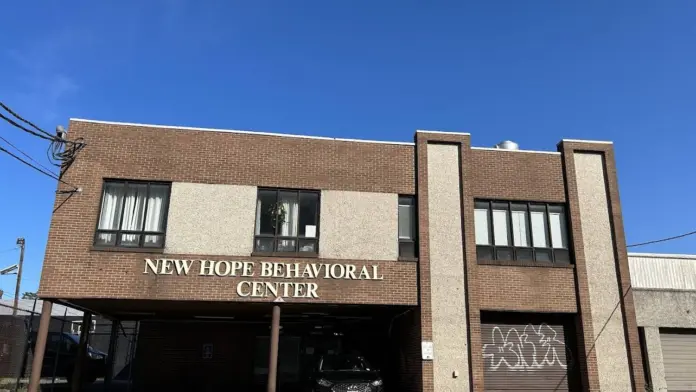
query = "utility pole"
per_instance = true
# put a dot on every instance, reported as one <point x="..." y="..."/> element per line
<point x="20" y="242"/>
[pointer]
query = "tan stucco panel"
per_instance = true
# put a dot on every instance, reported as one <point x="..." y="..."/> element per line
<point x="655" y="360"/>
<point x="607" y="319"/>
<point x="447" y="269"/>
<point x="665" y="308"/>
<point x="211" y="219"/>
<point x="358" y="225"/>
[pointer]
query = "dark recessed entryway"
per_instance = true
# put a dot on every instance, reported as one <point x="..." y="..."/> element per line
<point x="226" y="346"/>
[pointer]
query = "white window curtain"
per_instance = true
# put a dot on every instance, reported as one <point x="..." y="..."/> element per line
<point x="110" y="217"/>
<point x="500" y="227"/>
<point x="539" y="229"/>
<point x="291" y="212"/>
<point x="481" y="222"/>
<point x="127" y="212"/>
<point x="288" y="227"/>
<point x="559" y="239"/>
<point x="519" y="228"/>
<point x="154" y="219"/>
<point x="259" y="205"/>
<point x="133" y="210"/>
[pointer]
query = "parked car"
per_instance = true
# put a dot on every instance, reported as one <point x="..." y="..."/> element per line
<point x="61" y="355"/>
<point x="345" y="373"/>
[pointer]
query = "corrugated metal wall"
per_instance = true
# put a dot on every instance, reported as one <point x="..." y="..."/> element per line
<point x="679" y="353"/>
<point x="526" y="357"/>
<point x="672" y="272"/>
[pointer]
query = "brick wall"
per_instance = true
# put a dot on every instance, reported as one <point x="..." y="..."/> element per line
<point x="72" y="269"/>
<point x="526" y="289"/>
<point x="515" y="175"/>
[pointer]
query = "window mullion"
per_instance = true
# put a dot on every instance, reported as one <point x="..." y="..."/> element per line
<point x="548" y="233"/>
<point x="491" y="230"/>
<point x="530" y="232"/>
<point x="275" y="213"/>
<point x="141" y="240"/>
<point x="511" y="236"/>
<point x="123" y="210"/>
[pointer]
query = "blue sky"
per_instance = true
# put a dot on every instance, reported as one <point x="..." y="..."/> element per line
<point x="532" y="71"/>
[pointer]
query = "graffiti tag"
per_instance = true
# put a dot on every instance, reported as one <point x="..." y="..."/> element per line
<point x="533" y="349"/>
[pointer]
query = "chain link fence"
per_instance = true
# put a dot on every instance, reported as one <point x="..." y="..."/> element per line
<point x="18" y="327"/>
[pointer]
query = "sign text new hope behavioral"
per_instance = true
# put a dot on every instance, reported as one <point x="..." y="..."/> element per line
<point x="256" y="289"/>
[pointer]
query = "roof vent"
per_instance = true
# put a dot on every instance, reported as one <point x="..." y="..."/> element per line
<point x="507" y="145"/>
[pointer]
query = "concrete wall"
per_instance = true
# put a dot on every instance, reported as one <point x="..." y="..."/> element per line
<point x="666" y="309"/>
<point x="607" y="319"/>
<point x="211" y="219"/>
<point x="448" y="298"/>
<point x="358" y="225"/>
<point x="657" y="309"/>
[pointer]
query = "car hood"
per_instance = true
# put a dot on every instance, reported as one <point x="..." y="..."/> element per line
<point x="350" y="376"/>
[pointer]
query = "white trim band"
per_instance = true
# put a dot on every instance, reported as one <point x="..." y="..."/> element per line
<point x="443" y="132"/>
<point x="662" y="256"/>
<point x="587" y="141"/>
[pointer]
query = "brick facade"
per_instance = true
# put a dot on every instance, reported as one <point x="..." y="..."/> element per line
<point x="77" y="273"/>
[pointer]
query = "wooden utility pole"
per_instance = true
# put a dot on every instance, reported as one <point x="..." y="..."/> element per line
<point x="20" y="242"/>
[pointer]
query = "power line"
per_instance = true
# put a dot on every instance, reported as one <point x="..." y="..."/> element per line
<point x="662" y="239"/>
<point x="12" y="122"/>
<point x="24" y="120"/>
<point x="25" y="154"/>
<point x="49" y="174"/>
<point x="9" y="250"/>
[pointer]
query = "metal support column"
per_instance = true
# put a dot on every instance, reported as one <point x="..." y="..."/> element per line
<point x="78" y="373"/>
<point x="111" y="356"/>
<point x="273" y="355"/>
<point x="40" y="346"/>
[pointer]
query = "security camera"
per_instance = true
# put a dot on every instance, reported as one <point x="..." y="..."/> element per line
<point x="9" y="270"/>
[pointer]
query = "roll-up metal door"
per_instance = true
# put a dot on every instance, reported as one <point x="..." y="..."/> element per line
<point x="679" y="356"/>
<point x="525" y="357"/>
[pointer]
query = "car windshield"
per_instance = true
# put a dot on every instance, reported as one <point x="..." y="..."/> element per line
<point x="343" y="363"/>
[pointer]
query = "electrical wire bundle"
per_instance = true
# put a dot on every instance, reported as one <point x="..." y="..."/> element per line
<point x="61" y="152"/>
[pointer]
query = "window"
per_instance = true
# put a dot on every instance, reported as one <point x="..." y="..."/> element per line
<point x="287" y="221"/>
<point x="407" y="227"/>
<point x="133" y="214"/>
<point x="521" y="231"/>
<point x="76" y="327"/>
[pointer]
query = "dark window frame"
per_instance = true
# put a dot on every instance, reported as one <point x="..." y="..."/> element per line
<point x="142" y="233"/>
<point x="549" y="249"/>
<point x="414" y="224"/>
<point x="298" y="238"/>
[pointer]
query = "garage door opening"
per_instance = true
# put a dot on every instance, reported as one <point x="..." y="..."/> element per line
<point x="231" y="351"/>
<point x="529" y="352"/>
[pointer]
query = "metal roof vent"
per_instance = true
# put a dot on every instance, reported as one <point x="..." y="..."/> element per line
<point x="507" y="145"/>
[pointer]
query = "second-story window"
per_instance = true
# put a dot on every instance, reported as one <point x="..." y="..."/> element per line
<point x="287" y="222"/>
<point x="521" y="231"/>
<point x="407" y="227"/>
<point x="133" y="214"/>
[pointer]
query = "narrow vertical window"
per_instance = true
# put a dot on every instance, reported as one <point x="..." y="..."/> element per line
<point x="483" y="236"/>
<point x="484" y="250"/>
<point x="559" y="235"/>
<point x="407" y="227"/>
